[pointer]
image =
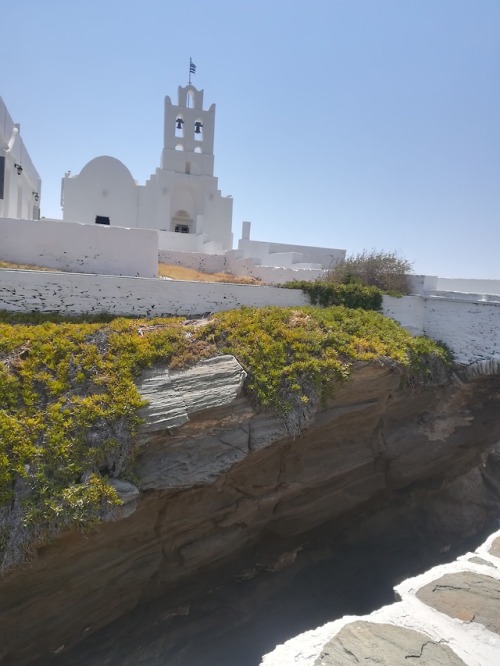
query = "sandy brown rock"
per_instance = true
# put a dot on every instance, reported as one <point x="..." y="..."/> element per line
<point x="468" y="596"/>
<point x="372" y="643"/>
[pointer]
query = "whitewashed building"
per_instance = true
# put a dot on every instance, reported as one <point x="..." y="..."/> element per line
<point x="181" y="200"/>
<point x="20" y="184"/>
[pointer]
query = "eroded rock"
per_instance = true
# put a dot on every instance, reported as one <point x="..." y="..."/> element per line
<point x="372" y="643"/>
<point x="174" y="395"/>
<point x="215" y="476"/>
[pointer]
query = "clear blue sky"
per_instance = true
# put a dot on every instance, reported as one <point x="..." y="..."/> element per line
<point x="345" y="123"/>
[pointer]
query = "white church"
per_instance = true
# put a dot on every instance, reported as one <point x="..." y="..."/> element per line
<point x="180" y="202"/>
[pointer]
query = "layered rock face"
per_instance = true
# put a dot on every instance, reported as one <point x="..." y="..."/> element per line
<point x="214" y="476"/>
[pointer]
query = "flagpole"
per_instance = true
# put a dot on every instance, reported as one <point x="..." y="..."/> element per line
<point x="190" y="68"/>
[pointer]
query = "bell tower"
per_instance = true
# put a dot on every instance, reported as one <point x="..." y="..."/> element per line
<point x="188" y="145"/>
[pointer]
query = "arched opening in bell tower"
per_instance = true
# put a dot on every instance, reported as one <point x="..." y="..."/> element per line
<point x="198" y="130"/>
<point x="179" y="127"/>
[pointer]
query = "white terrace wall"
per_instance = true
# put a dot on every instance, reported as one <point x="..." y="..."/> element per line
<point x="231" y="263"/>
<point x="474" y="286"/>
<point x="206" y="263"/>
<point x="72" y="293"/>
<point x="324" y="257"/>
<point x="471" y="328"/>
<point x="269" y="274"/>
<point x="80" y="248"/>
<point x="408" y="311"/>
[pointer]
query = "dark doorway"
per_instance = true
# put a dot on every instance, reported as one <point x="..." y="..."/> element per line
<point x="100" y="219"/>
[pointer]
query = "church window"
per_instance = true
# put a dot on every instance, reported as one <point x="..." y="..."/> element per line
<point x="188" y="167"/>
<point x="197" y="149"/>
<point x="190" y="99"/>
<point x="179" y="146"/>
<point x="179" y="130"/>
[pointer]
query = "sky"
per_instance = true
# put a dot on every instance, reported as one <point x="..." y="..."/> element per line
<point x="353" y="124"/>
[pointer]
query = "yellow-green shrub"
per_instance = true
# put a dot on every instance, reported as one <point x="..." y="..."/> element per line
<point x="68" y="399"/>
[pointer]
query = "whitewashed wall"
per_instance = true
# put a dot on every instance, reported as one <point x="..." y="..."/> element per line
<point x="206" y="263"/>
<point x="470" y="328"/>
<point x="231" y="263"/>
<point x="272" y="253"/>
<point x="70" y="293"/>
<point x="188" y="243"/>
<point x="271" y="274"/>
<point x="80" y="247"/>
<point x="20" y="193"/>
<point x="474" y="286"/>
<point x="409" y="311"/>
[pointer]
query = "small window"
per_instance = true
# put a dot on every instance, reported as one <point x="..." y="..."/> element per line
<point x="179" y="146"/>
<point x="100" y="219"/>
<point x="181" y="229"/>
<point x="190" y="99"/>
<point x="188" y="167"/>
<point x="197" y="149"/>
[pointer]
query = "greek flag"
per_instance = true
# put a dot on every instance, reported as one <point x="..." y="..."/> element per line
<point x="192" y="67"/>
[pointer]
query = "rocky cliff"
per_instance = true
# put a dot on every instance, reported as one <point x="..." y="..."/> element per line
<point x="215" y="475"/>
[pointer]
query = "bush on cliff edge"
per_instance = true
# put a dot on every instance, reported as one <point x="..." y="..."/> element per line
<point x="69" y="403"/>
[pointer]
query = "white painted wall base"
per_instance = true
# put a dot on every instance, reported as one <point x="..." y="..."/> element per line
<point x="73" y="293"/>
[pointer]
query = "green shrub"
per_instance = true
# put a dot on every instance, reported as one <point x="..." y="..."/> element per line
<point x="350" y="295"/>
<point x="377" y="268"/>
<point x="295" y="356"/>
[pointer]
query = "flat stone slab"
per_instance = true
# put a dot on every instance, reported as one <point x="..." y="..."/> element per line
<point x="467" y="596"/>
<point x="172" y="395"/>
<point x="479" y="560"/>
<point x="495" y="548"/>
<point x="372" y="643"/>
